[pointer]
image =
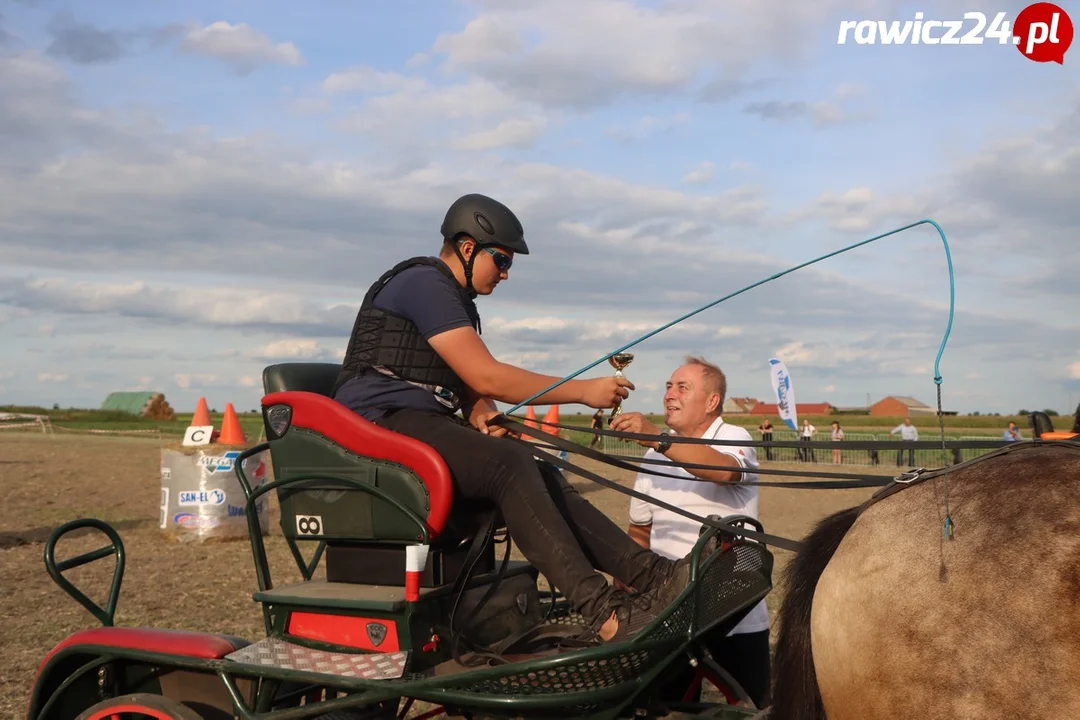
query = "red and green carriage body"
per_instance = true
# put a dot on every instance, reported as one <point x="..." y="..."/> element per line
<point x="364" y="642"/>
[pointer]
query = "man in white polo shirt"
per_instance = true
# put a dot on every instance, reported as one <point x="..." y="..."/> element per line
<point x="692" y="406"/>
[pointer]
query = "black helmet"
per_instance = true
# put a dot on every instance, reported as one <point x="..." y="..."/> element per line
<point x="487" y="221"/>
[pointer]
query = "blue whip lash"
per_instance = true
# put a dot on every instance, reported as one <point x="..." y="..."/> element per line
<point x="949" y="525"/>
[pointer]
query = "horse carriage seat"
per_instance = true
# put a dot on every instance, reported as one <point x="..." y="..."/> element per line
<point x="1043" y="427"/>
<point x="398" y="483"/>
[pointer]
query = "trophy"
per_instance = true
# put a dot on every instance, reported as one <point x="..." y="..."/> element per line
<point x="619" y="361"/>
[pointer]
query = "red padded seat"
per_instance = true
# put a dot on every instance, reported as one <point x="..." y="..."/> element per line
<point x="329" y="418"/>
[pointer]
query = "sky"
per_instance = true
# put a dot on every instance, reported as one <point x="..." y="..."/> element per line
<point x="191" y="191"/>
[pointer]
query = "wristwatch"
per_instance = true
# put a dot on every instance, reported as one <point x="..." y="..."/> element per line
<point x="664" y="445"/>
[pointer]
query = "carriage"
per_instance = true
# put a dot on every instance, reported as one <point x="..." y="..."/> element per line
<point x="415" y="614"/>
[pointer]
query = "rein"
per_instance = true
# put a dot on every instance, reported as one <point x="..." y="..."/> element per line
<point x="711" y="521"/>
<point x="840" y="481"/>
<point x="889" y="484"/>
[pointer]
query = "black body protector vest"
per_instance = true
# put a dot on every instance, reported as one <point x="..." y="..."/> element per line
<point x="390" y="344"/>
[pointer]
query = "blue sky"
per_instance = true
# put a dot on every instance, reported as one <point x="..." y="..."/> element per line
<point x="192" y="191"/>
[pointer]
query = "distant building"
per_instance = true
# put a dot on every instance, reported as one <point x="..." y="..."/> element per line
<point x="900" y="406"/>
<point x="800" y="409"/>
<point x="739" y="406"/>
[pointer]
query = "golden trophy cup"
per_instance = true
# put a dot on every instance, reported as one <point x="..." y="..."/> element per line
<point x="619" y="361"/>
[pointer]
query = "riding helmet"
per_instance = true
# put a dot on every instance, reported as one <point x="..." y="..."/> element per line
<point x="487" y="221"/>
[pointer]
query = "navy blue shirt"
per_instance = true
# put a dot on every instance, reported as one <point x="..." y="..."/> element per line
<point x="432" y="301"/>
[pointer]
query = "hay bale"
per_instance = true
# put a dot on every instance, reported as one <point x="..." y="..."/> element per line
<point x="158" y="408"/>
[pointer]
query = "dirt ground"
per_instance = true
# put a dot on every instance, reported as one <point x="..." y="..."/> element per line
<point x="202" y="586"/>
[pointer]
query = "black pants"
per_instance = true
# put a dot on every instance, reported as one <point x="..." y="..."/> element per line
<point x="900" y="456"/>
<point x="806" y="453"/>
<point x="744" y="656"/>
<point x="559" y="531"/>
<point x="767" y="437"/>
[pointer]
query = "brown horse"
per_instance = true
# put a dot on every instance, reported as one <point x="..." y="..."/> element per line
<point x="886" y="619"/>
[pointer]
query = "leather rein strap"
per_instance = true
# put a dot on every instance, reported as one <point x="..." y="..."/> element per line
<point x="888" y="484"/>
<point x="765" y="538"/>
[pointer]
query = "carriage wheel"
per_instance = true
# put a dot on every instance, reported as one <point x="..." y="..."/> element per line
<point x="140" y="706"/>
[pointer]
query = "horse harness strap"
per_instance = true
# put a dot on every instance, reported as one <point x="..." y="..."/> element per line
<point x="921" y="475"/>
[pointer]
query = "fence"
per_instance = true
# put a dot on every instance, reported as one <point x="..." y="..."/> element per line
<point x="38" y="423"/>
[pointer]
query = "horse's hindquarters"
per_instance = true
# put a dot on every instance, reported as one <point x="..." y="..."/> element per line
<point x="908" y="625"/>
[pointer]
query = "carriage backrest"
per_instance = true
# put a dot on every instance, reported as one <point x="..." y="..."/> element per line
<point x="1041" y="423"/>
<point x="305" y="377"/>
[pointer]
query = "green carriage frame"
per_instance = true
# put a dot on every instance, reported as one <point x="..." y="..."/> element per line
<point x="389" y="508"/>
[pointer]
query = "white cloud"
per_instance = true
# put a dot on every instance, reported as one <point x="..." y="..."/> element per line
<point x="52" y="377"/>
<point x="613" y="48"/>
<point x="647" y="127"/>
<point x="1074" y="370"/>
<point x="703" y="173"/>
<point x="198" y="381"/>
<point x="216" y="307"/>
<point x="860" y="209"/>
<point x="240" y="46"/>
<point x="411" y="113"/>
<point x="366" y="79"/>
<point x="517" y="133"/>
<point x="296" y="349"/>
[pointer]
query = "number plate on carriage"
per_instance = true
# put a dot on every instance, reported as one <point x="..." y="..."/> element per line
<point x="272" y="652"/>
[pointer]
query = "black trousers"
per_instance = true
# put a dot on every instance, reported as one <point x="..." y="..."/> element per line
<point x="745" y="656"/>
<point x="767" y="437"/>
<point x="556" y="529"/>
<point x="900" y="456"/>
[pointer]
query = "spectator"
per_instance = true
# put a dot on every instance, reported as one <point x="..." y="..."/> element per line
<point x="806" y="435"/>
<point x="1012" y="433"/>
<point x="837" y="436"/>
<point x="908" y="433"/>
<point x="597" y="424"/>
<point x="692" y="407"/>
<point x="766" y="429"/>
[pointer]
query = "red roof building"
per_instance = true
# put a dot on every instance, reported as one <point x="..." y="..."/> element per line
<point x="800" y="409"/>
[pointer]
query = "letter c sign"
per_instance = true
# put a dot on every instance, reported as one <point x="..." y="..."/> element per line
<point x="198" y="435"/>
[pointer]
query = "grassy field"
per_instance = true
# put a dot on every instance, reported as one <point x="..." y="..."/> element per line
<point x="955" y="426"/>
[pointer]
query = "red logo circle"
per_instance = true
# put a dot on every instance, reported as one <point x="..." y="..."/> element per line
<point x="1043" y="32"/>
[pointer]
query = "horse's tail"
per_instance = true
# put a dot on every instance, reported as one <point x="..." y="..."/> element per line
<point x="795" y="691"/>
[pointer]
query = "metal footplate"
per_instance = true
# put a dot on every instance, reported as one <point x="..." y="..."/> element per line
<point x="273" y="652"/>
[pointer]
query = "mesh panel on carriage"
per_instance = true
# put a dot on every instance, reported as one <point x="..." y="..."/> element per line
<point x="732" y="584"/>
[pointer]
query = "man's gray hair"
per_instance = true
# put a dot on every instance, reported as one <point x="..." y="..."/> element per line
<point x="715" y="381"/>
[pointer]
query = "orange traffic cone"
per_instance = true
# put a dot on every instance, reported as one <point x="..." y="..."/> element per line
<point x="231" y="432"/>
<point x="201" y="418"/>
<point x="552" y="416"/>
<point x="530" y="418"/>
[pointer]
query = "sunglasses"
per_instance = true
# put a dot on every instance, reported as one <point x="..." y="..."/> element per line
<point x="502" y="262"/>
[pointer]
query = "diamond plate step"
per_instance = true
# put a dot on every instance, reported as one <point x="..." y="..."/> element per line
<point x="273" y="652"/>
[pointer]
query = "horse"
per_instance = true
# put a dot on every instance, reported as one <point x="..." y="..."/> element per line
<point x="886" y="617"/>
